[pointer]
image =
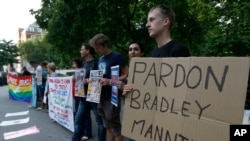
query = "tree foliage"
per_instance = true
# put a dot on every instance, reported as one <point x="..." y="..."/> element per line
<point x="71" y="22"/>
<point x="8" y="53"/>
<point x="40" y="50"/>
<point x="207" y="28"/>
<point x="226" y="24"/>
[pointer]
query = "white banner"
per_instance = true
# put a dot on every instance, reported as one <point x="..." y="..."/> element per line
<point x="61" y="101"/>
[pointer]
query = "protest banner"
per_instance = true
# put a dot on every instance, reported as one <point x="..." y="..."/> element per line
<point x="61" y="101"/>
<point x="191" y="99"/>
<point x="79" y="84"/>
<point x="95" y="86"/>
<point x="20" y="88"/>
<point x="114" y="81"/>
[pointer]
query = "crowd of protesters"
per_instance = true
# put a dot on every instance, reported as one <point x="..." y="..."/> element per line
<point x="108" y="117"/>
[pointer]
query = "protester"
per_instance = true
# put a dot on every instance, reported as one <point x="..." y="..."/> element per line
<point x="41" y="88"/>
<point x="34" y="89"/>
<point x="12" y="71"/>
<point x="76" y="64"/>
<point x="109" y="58"/>
<point x="86" y="131"/>
<point x="25" y="72"/>
<point x="35" y="65"/>
<point x="83" y="112"/>
<point x="159" y="23"/>
<point x="135" y="50"/>
<point x="51" y="73"/>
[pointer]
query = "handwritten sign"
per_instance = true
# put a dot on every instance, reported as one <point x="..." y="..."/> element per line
<point x="61" y="101"/>
<point x="191" y="99"/>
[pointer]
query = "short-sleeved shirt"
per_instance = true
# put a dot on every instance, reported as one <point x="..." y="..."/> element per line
<point x="38" y="75"/>
<point x="171" y="49"/>
<point x="44" y="80"/>
<point x="105" y="64"/>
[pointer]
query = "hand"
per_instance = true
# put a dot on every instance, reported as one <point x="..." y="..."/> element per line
<point x="127" y="89"/>
<point x="120" y="85"/>
<point x="86" y="81"/>
<point x="46" y="94"/>
<point x="105" y="81"/>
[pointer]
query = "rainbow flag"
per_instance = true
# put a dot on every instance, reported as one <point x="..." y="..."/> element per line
<point x="20" y="88"/>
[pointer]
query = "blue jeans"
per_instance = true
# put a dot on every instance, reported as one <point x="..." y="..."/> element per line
<point x="87" y="125"/>
<point x="40" y="93"/>
<point x="81" y="114"/>
<point x="77" y="101"/>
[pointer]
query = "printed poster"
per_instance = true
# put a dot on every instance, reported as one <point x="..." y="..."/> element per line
<point x="61" y="101"/>
<point x="94" y="87"/>
<point x="79" y="85"/>
<point x="114" y="81"/>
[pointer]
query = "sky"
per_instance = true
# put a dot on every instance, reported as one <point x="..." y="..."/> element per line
<point x="15" y="14"/>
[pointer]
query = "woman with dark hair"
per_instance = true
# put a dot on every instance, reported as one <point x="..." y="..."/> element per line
<point x="135" y="50"/>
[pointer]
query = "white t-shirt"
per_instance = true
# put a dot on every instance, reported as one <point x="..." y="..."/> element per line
<point x="39" y="75"/>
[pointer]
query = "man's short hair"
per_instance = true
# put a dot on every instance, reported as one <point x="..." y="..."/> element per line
<point x="44" y="63"/>
<point x="33" y="62"/>
<point x="99" y="39"/>
<point x="89" y="47"/>
<point x="166" y="11"/>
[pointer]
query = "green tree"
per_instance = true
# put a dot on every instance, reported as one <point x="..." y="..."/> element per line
<point x="39" y="50"/>
<point x="69" y="23"/>
<point x="226" y="24"/>
<point x="8" y="53"/>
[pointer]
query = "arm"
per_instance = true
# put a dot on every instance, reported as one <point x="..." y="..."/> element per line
<point x="124" y="73"/>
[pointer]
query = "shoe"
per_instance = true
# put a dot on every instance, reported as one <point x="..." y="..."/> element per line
<point x="39" y="108"/>
<point x="84" y="138"/>
<point x="46" y="111"/>
<point x="30" y="106"/>
<point x="53" y="120"/>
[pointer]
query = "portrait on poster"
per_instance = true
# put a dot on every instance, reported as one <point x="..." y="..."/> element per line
<point x="95" y="86"/>
<point x="79" y="83"/>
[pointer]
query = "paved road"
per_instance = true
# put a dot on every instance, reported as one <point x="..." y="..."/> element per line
<point x="49" y="131"/>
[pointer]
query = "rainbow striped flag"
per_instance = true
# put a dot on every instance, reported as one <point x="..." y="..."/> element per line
<point x="20" y="88"/>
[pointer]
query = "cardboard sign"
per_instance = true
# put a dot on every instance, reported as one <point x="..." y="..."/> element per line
<point x="191" y="99"/>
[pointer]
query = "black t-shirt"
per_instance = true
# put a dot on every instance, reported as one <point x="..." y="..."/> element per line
<point x="89" y="65"/>
<point x="105" y="63"/>
<point x="171" y="49"/>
